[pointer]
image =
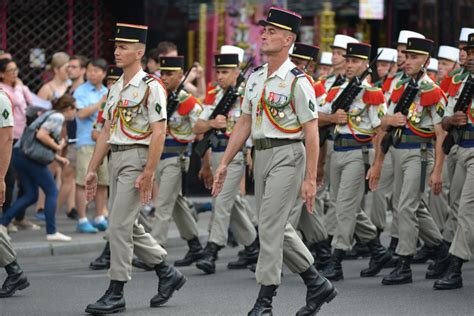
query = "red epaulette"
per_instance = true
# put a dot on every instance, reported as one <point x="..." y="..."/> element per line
<point x="211" y="91"/>
<point x="387" y="84"/>
<point x="373" y="96"/>
<point x="186" y="105"/>
<point x="319" y="89"/>
<point x="446" y="83"/>
<point x="454" y="88"/>
<point x="397" y="94"/>
<point x="332" y="94"/>
<point x="432" y="96"/>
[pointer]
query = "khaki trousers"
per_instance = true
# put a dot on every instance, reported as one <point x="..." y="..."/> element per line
<point x="311" y="225"/>
<point x="330" y="219"/>
<point x="279" y="175"/>
<point x="170" y="203"/>
<point x="227" y="209"/>
<point x="414" y="218"/>
<point x="7" y="253"/>
<point x="464" y="237"/>
<point x="347" y="188"/>
<point x="126" y="236"/>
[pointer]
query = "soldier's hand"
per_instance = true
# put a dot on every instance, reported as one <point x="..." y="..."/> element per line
<point x="219" y="122"/>
<point x="2" y="192"/>
<point x="219" y="179"/>
<point x="320" y="177"/>
<point x="435" y="182"/>
<point x="340" y="117"/>
<point x="250" y="161"/>
<point x="90" y="183"/>
<point x="205" y="174"/>
<point x="459" y="118"/>
<point x="373" y="175"/>
<point x="144" y="184"/>
<point x="308" y="193"/>
<point x="398" y="119"/>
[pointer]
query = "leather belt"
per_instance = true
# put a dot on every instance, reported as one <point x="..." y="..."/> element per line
<point x="349" y="142"/>
<point x="267" y="143"/>
<point x="414" y="139"/>
<point x="115" y="148"/>
<point x="468" y="135"/>
<point x="175" y="149"/>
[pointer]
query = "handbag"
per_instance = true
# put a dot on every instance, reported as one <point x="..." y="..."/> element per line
<point x="32" y="147"/>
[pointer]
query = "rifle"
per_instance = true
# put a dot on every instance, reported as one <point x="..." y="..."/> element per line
<point x="223" y="107"/>
<point x="394" y="134"/>
<point x="455" y="133"/>
<point x="346" y="98"/>
<point x="172" y="102"/>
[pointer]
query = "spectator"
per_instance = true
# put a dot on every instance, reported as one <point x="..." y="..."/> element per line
<point x="34" y="175"/>
<point x="5" y="55"/>
<point x="67" y="191"/>
<point x="90" y="97"/>
<point x="20" y="97"/>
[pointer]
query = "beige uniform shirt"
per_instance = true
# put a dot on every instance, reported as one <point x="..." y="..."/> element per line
<point x="453" y="99"/>
<point x="131" y="109"/>
<point x="280" y="103"/>
<point x="363" y="118"/>
<point x="6" y="110"/>
<point x="181" y="123"/>
<point x="419" y="116"/>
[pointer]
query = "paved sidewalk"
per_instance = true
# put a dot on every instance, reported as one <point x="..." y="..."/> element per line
<point x="34" y="244"/>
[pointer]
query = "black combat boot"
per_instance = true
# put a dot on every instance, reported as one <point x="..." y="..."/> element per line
<point x="423" y="255"/>
<point x="391" y="250"/>
<point x="322" y="254"/>
<point x="138" y="263"/>
<point x="208" y="262"/>
<point x="359" y="250"/>
<point x="170" y="280"/>
<point x="231" y="241"/>
<point x="319" y="291"/>
<point x="16" y="280"/>
<point x="380" y="257"/>
<point x="263" y="305"/>
<point x="248" y="257"/>
<point x="379" y="232"/>
<point x="194" y="253"/>
<point x="441" y="262"/>
<point x="103" y="261"/>
<point x="333" y="270"/>
<point x="401" y="274"/>
<point x="111" y="302"/>
<point x="452" y="279"/>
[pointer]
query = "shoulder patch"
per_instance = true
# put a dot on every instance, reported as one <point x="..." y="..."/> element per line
<point x="296" y="72"/>
<point x="259" y="67"/>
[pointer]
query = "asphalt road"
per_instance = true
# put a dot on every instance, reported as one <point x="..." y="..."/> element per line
<point x="63" y="285"/>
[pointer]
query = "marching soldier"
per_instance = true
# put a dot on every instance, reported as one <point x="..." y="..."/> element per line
<point x="386" y="65"/>
<point x="432" y="69"/>
<point x="16" y="279"/>
<point x="357" y="132"/>
<point x="412" y="156"/>
<point x="226" y="205"/>
<point x="324" y="65"/>
<point x="134" y="131"/>
<point x="279" y="109"/>
<point x="311" y="223"/>
<point x="461" y="118"/>
<point x="170" y="201"/>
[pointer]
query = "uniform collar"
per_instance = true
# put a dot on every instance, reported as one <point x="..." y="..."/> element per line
<point x="135" y="80"/>
<point x="283" y="70"/>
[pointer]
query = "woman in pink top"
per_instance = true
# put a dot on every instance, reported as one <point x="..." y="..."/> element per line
<point x="20" y="96"/>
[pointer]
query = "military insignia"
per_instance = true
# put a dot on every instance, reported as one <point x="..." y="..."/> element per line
<point x="158" y="108"/>
<point x="311" y="105"/>
<point x="135" y="94"/>
<point x="253" y="86"/>
<point x="282" y="84"/>
<point x="281" y="115"/>
<point x="5" y="114"/>
<point x="440" y="109"/>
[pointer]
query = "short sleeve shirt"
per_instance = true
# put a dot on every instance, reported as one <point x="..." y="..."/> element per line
<point x="132" y="108"/>
<point x="280" y="103"/>
<point x="6" y="110"/>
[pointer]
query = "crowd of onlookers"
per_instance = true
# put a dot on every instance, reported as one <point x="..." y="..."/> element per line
<point x="64" y="110"/>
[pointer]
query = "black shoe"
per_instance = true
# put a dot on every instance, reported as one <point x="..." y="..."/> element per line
<point x="15" y="281"/>
<point x="250" y="256"/>
<point x="137" y="263"/>
<point x="103" y="261"/>
<point x="423" y="255"/>
<point x="231" y="241"/>
<point x="333" y="270"/>
<point x="208" y="262"/>
<point x="252" y="267"/>
<point x="379" y="232"/>
<point x="452" y="279"/>
<point x="401" y="274"/>
<point x="73" y="214"/>
<point x="359" y="250"/>
<point x="391" y="250"/>
<point x="441" y="263"/>
<point x="195" y="253"/>
<point x="170" y="280"/>
<point x="380" y="257"/>
<point x="319" y="291"/>
<point x="322" y="254"/>
<point x="263" y="305"/>
<point x="111" y="302"/>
